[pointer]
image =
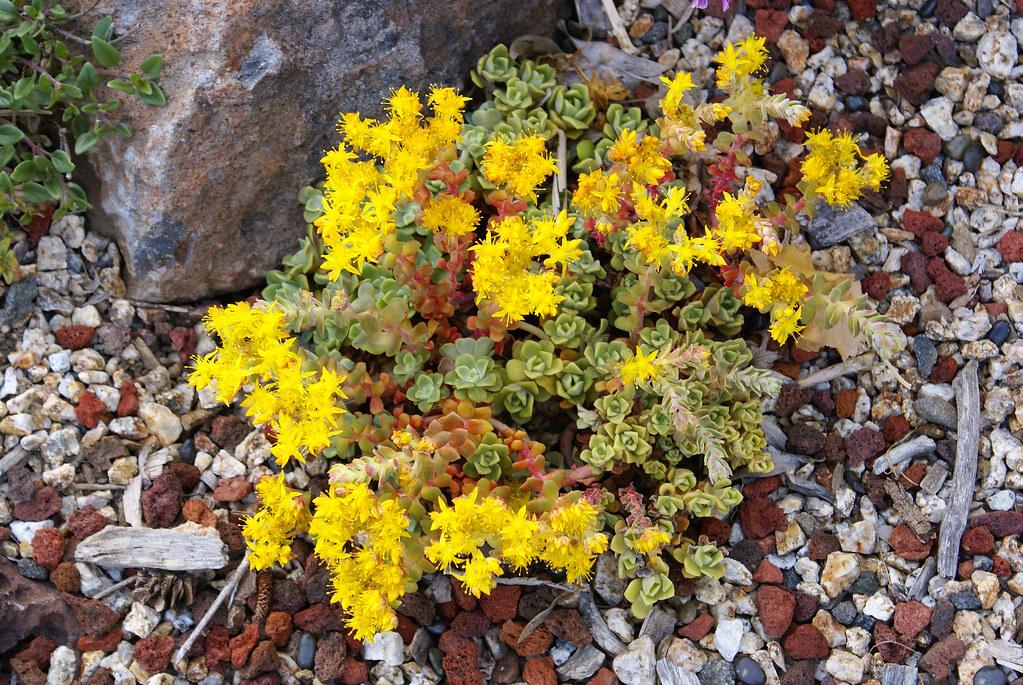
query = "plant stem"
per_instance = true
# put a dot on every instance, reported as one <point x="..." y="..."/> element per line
<point x="534" y="330"/>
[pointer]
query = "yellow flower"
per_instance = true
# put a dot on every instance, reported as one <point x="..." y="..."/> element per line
<point x="785" y="323"/>
<point x="479" y="574"/>
<point x="651" y="540"/>
<point x="738" y="60"/>
<point x="269" y="532"/>
<point x="641" y="367"/>
<point x="642" y="158"/>
<point x="833" y="167"/>
<point x="597" y="193"/>
<point x="786" y="287"/>
<point x="757" y="294"/>
<point x="519" y="166"/>
<point x="450" y="214"/>
<point x="677" y="87"/>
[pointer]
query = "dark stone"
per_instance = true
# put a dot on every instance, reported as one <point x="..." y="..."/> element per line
<point x="830" y="226"/>
<point x="950" y="12"/>
<point x="748" y="553"/>
<point x="749" y="671"/>
<point x="306" y="650"/>
<point x="717" y="672"/>
<point x="30" y="609"/>
<point x="990" y="675"/>
<point x="804" y="439"/>
<point x="926" y="354"/>
<point x="844" y="612"/>
<point x="973" y="156"/>
<point x="965" y="601"/>
<point x="999" y="333"/>
<point x="865" y="584"/>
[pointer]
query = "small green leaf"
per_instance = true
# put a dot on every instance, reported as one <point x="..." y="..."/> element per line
<point x="104" y="28"/>
<point x="6" y="154"/>
<point x="6" y="185"/>
<point x="88" y="77"/>
<point x="121" y="86"/>
<point x="24" y="171"/>
<point x="23" y="88"/>
<point x="151" y="65"/>
<point x="85" y="142"/>
<point x="35" y="192"/>
<point x="156" y="97"/>
<point x="106" y="54"/>
<point x="62" y="162"/>
<point x="10" y="134"/>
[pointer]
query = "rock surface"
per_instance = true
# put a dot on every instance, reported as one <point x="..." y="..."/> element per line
<point x="253" y="92"/>
<point x="29" y="609"/>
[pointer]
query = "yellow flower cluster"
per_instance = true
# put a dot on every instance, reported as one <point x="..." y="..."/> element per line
<point x="682" y="124"/>
<point x="450" y="214"/>
<point x="504" y="269"/>
<point x="781" y="293"/>
<point x="360" y="538"/>
<point x="519" y="166"/>
<point x="377" y="166"/>
<point x="740" y="60"/>
<point x="566" y="538"/>
<point x="640" y="367"/>
<point x="270" y="531"/>
<point x="833" y="166"/>
<point x="651" y="541"/>
<point x="300" y="406"/>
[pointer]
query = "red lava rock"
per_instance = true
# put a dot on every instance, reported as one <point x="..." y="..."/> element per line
<point x="264" y="659"/>
<point x="90" y="409"/>
<point x="770" y="23"/>
<point x="74" y="337"/>
<point x="806" y="607"/>
<point x="502" y="604"/>
<point x="461" y="665"/>
<point x="101" y="676"/>
<point x="768" y="573"/>
<point x="470" y="624"/>
<point x="416" y="606"/>
<point x="95" y="618"/>
<point x="759" y="517"/>
<point x="916" y="83"/>
<point x="877" y="284"/>
<point x="853" y="82"/>
<point x="329" y="664"/>
<point x="977" y="540"/>
<point x="924" y="144"/>
<point x="1000" y="567"/>
<point x="197" y="511"/>
<point x="698" y="628"/>
<point x="914" y="47"/>
<point x="319" y="618"/>
<point x="128" y="405"/>
<point x="914" y="265"/>
<point x="38" y="652"/>
<point x="895" y="428"/>
<point x="218" y="649"/>
<point x="184" y="341"/>
<point x="153" y="653"/>
<point x="540" y="671"/>
<point x="800" y="356"/>
<point x="507" y="669"/>
<point x="463" y="599"/>
<point x="845" y="403"/>
<point x="821" y="25"/>
<point x="944" y="371"/>
<point x="761" y="487"/>
<point x="66" y="578"/>
<point x="911" y="618"/>
<point x="716" y="530"/>
<point x="965" y="569"/>
<point x="86" y="521"/>
<point x="911" y="477"/>
<point x="790" y="369"/>
<point x="603" y="677"/>
<point x="907" y="545"/>
<point x="103" y="643"/>
<point x="188" y="474"/>
<point x="775" y="606"/>
<point x="863" y="444"/>
<point x="537" y="643"/>
<point x="232" y="489"/>
<point x="950" y="12"/>
<point x="355" y="672"/>
<point x="920" y="222"/>
<point x="451" y="642"/>
<point x="802" y="438"/>
<point x="1011" y="246"/>
<point x="567" y="624"/>
<point x="406" y="628"/>
<point x="996" y="309"/>
<point x="790" y="398"/>
<point x="889" y="646"/>
<point x="228" y="431"/>
<point x="1000" y="523"/>
<point x="898" y="188"/>
<point x="161" y="503"/>
<point x="862" y="9"/>
<point x="44" y="503"/>
<point x="800" y="673"/>
<point x="949" y="285"/>
<point x="48" y="547"/>
<point x="933" y="243"/>
<point x="942" y="657"/>
<point x="242" y="645"/>
<point x="834" y="449"/>
<point x="806" y="642"/>
<point x="278" y="627"/>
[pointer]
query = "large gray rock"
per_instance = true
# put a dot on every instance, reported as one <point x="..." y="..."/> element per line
<point x="202" y="199"/>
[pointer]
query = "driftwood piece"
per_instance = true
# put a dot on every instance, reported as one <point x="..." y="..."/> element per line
<point x="1008" y="654"/>
<point x="596" y="57"/>
<point x="903" y="452"/>
<point x="591" y="15"/>
<point x="964" y="475"/>
<point x="897" y="674"/>
<point x="156" y="548"/>
<point x="602" y="635"/>
<point x="907" y="508"/>
<point x="934" y="479"/>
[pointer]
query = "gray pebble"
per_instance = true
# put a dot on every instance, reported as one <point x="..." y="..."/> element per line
<point x="973" y="156"/>
<point x="926" y="355"/>
<point x="990" y="675"/>
<point x="717" y="672"/>
<point x="936" y="410"/>
<point x="30" y="569"/>
<point x="965" y="601"/>
<point x="306" y="650"/>
<point x="749" y="671"/>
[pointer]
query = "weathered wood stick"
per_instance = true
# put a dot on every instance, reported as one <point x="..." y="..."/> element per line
<point x="165" y="550"/>
<point x="964" y="475"/>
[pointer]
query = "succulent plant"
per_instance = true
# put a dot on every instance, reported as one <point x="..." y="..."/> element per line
<point x="644" y="593"/>
<point x="571" y="110"/>
<point x="497" y="66"/>
<point x="489" y="460"/>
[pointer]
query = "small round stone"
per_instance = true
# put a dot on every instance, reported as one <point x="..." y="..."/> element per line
<point x="844" y="613"/>
<point x="306" y="650"/>
<point x="749" y="671"/>
<point x="717" y="672"/>
<point x="990" y="675"/>
<point x="973" y="156"/>
<point x="999" y="333"/>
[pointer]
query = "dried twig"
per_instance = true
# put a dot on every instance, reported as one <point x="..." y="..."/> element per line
<point x="105" y="592"/>
<point x="907" y="508"/>
<point x="535" y="582"/>
<point x="155" y="548"/>
<point x="618" y="28"/>
<point x="904" y="451"/>
<point x="854" y="365"/>
<point x="964" y="476"/>
<point x="228" y="589"/>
